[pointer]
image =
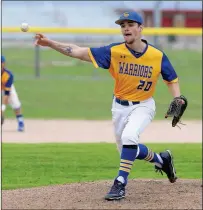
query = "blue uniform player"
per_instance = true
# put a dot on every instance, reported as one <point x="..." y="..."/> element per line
<point x="9" y="95"/>
<point x="135" y="66"/>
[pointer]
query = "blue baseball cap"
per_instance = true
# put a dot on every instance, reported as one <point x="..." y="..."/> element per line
<point x="3" y="59"/>
<point x="133" y="16"/>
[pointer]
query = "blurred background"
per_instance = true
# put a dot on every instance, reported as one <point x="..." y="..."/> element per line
<point x="44" y="77"/>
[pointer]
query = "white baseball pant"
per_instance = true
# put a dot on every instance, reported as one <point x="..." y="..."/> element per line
<point x="13" y="100"/>
<point x="130" y="121"/>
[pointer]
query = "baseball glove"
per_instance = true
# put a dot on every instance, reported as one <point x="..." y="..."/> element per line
<point x="176" y="109"/>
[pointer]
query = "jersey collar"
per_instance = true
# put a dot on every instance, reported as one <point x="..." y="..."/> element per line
<point x="138" y="54"/>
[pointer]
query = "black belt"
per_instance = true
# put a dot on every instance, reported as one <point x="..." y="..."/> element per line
<point x="126" y="103"/>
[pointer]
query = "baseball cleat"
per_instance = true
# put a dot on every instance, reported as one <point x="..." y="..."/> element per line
<point x="168" y="166"/>
<point x="21" y="126"/>
<point x="117" y="191"/>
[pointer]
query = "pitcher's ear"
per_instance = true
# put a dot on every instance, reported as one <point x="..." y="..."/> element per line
<point x="141" y="28"/>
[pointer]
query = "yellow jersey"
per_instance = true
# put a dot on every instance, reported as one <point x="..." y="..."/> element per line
<point x="6" y="81"/>
<point x="135" y="74"/>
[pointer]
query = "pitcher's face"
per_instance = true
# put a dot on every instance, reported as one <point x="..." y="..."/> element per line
<point x="131" y="31"/>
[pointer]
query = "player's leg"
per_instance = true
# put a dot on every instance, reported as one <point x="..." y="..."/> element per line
<point x="118" y="128"/>
<point x="16" y="106"/>
<point x="20" y="119"/>
<point x="137" y="121"/>
<point x="119" y="117"/>
<point x="162" y="161"/>
<point x="2" y="114"/>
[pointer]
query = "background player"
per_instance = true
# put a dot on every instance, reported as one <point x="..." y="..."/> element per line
<point x="135" y="65"/>
<point x="9" y="95"/>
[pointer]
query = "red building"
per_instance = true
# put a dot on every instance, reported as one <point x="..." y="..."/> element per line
<point x="178" y="18"/>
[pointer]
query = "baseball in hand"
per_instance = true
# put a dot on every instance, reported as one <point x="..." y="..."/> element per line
<point x="24" y="27"/>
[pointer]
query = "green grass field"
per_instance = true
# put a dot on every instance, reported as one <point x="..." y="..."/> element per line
<point x="56" y="95"/>
<point x="30" y="165"/>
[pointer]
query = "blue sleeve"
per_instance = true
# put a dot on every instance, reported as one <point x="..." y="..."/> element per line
<point x="167" y="71"/>
<point x="102" y="56"/>
<point x="9" y="82"/>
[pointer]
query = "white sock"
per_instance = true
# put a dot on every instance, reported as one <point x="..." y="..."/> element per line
<point x="121" y="179"/>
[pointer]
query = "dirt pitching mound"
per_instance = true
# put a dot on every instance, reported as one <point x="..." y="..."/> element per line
<point x="140" y="194"/>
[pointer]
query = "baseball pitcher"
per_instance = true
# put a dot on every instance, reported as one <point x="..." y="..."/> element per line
<point x="9" y="95"/>
<point x="135" y="65"/>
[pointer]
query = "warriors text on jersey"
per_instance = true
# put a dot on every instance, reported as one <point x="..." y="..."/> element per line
<point x="135" y="74"/>
<point x="6" y="81"/>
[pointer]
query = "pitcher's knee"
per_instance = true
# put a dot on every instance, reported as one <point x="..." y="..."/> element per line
<point x="129" y="140"/>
